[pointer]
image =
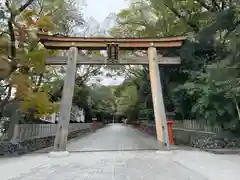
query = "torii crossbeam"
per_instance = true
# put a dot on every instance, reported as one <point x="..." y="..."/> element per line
<point x="100" y="43"/>
<point x="98" y="60"/>
<point x="74" y="44"/>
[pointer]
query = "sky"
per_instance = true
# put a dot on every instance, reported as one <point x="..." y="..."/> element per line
<point x="99" y="10"/>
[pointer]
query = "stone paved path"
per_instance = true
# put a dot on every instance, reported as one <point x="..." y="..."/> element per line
<point x="115" y="137"/>
<point x="119" y="152"/>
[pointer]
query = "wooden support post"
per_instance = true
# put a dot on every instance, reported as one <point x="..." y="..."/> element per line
<point x="15" y="137"/>
<point x="60" y="142"/>
<point x="157" y="96"/>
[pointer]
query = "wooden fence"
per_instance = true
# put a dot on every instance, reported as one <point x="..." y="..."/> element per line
<point x="32" y="131"/>
<point x="188" y="125"/>
<point x="197" y="126"/>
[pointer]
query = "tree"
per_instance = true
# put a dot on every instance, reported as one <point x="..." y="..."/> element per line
<point x="134" y="95"/>
<point x="25" y="57"/>
<point x="199" y="88"/>
<point x="103" y="102"/>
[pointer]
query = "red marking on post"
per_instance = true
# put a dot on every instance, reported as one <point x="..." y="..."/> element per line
<point x="170" y="124"/>
<point x="94" y="124"/>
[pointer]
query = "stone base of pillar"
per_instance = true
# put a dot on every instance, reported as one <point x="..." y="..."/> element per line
<point x="164" y="152"/>
<point x="54" y="154"/>
<point x="160" y="145"/>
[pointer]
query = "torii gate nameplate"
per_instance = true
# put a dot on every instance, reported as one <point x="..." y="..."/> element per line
<point x="112" y="53"/>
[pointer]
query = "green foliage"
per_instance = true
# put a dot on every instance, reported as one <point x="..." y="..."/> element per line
<point x="26" y="55"/>
<point x="127" y="100"/>
<point x="134" y="95"/>
<point x="206" y="86"/>
<point x="102" y="101"/>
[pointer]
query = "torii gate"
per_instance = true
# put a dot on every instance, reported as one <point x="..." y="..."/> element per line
<point x="112" y="45"/>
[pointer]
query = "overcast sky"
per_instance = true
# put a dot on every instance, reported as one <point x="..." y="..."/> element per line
<point x="99" y="10"/>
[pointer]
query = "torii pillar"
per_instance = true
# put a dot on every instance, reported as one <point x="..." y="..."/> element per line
<point x="60" y="142"/>
<point x="157" y="97"/>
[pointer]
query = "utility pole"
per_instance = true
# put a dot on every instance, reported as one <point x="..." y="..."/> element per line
<point x="60" y="142"/>
<point x="157" y="96"/>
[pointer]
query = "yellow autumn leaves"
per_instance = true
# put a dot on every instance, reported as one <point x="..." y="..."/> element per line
<point x="40" y="102"/>
<point x="30" y="60"/>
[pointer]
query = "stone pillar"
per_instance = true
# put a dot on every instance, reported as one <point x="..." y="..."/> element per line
<point x="157" y="96"/>
<point x="60" y="142"/>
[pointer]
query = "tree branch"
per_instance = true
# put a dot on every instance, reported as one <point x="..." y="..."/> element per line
<point x="24" y="6"/>
<point x="12" y="53"/>
<point x="5" y="101"/>
<point x="190" y="24"/>
<point x="41" y="4"/>
<point x="203" y="4"/>
<point x="4" y="32"/>
<point x="11" y="20"/>
<point x="223" y="4"/>
<point x="5" y="86"/>
<point x="39" y="82"/>
<point x="230" y="31"/>
<point x="81" y="79"/>
<point x="216" y="6"/>
<point x="12" y="36"/>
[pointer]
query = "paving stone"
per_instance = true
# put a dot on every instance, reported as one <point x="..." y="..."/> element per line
<point x="111" y="166"/>
<point x="115" y="137"/>
<point x="119" y="152"/>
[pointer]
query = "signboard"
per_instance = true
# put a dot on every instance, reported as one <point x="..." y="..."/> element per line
<point x="76" y="115"/>
<point x="51" y="118"/>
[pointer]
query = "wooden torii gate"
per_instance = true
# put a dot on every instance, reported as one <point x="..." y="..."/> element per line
<point x="112" y="45"/>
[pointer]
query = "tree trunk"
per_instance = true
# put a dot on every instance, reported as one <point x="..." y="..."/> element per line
<point x="237" y="107"/>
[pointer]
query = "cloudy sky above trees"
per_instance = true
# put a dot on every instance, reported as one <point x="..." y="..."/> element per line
<point x="100" y="10"/>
